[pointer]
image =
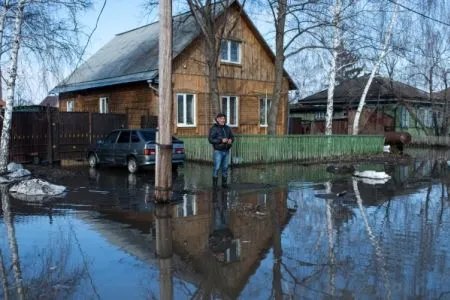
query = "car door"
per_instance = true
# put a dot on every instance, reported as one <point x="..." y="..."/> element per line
<point x="122" y="148"/>
<point x="106" y="148"/>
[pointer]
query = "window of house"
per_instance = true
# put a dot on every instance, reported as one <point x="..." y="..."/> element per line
<point x="404" y="118"/>
<point x="264" y="108"/>
<point x="320" y="115"/>
<point x="230" y="108"/>
<point x="425" y="116"/>
<point x="230" y="51"/>
<point x="185" y="110"/>
<point x="104" y="105"/>
<point x="70" y="105"/>
<point x="188" y="207"/>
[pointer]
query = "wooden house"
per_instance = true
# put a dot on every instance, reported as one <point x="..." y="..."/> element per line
<point x="122" y="77"/>
<point x="390" y="106"/>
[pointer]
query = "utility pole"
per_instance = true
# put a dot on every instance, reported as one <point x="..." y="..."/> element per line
<point x="163" y="173"/>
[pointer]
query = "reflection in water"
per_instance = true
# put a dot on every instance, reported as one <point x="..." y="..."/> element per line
<point x="307" y="235"/>
<point x="164" y="251"/>
<point x="12" y="242"/>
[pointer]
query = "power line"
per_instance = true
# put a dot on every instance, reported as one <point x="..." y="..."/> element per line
<point x="92" y="32"/>
<point x="419" y="13"/>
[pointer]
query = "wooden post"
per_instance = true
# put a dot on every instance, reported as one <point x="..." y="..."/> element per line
<point x="164" y="252"/>
<point x="163" y="173"/>
<point x="49" y="136"/>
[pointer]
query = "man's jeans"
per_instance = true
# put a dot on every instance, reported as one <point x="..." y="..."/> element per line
<point x="221" y="159"/>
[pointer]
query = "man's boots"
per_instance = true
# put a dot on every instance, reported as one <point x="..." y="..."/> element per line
<point x="224" y="182"/>
<point x="215" y="179"/>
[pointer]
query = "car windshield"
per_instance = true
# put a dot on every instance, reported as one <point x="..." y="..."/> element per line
<point x="148" y="135"/>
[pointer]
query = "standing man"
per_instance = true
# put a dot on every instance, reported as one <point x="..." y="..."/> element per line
<point x="221" y="137"/>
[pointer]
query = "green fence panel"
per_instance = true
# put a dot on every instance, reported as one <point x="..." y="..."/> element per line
<point x="251" y="149"/>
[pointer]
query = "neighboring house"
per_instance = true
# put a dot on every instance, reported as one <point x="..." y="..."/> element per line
<point x="50" y="100"/>
<point x="122" y="77"/>
<point x="390" y="106"/>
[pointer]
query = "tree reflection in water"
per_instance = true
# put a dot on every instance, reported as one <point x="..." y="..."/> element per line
<point x="53" y="276"/>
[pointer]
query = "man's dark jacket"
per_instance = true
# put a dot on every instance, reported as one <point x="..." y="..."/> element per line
<point x="217" y="133"/>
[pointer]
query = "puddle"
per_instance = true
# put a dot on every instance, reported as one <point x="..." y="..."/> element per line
<point x="280" y="231"/>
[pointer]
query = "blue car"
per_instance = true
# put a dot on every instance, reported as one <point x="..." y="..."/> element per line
<point x="133" y="148"/>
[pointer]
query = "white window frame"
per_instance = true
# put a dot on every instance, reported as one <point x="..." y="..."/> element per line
<point x="103" y="109"/>
<point x="70" y="106"/>
<point x="320" y="115"/>
<point x="266" y="112"/>
<point x="228" y="60"/>
<point x="227" y="113"/>
<point x="194" y="98"/>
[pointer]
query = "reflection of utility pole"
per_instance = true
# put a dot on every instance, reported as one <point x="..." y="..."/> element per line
<point x="12" y="240"/>
<point x="277" y="247"/>
<point x="163" y="172"/>
<point x="164" y="250"/>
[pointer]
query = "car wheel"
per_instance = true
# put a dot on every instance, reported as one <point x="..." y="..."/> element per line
<point x="92" y="160"/>
<point x="132" y="165"/>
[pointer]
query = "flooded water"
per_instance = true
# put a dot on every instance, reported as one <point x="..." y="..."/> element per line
<point x="279" y="231"/>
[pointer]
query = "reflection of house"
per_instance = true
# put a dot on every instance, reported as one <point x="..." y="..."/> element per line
<point x="195" y="220"/>
<point x="390" y="106"/>
<point x="122" y="77"/>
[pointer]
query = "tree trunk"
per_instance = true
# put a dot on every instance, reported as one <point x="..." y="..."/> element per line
<point x="279" y="67"/>
<point x="10" y="89"/>
<point x="163" y="172"/>
<point x="332" y="79"/>
<point x="384" y="52"/>
<point x="213" y="73"/>
<point x="12" y="241"/>
<point x="446" y="117"/>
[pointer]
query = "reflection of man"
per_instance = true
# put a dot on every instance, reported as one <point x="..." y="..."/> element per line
<point x="221" y="137"/>
<point x="221" y="239"/>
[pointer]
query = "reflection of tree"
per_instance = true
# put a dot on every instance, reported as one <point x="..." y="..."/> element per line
<point x="12" y="242"/>
<point x="52" y="280"/>
<point x="378" y="253"/>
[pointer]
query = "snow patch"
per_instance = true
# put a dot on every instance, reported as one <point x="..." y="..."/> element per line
<point x="371" y="181"/>
<point x="37" y="187"/>
<point x="4" y="180"/>
<point x="19" y="174"/>
<point x="13" y="167"/>
<point x="372" y="175"/>
<point x="387" y="148"/>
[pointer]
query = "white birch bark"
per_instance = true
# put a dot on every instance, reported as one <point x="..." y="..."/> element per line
<point x="384" y="52"/>
<point x="337" y="10"/>
<point x="10" y="88"/>
<point x="4" y="277"/>
<point x="12" y="241"/>
<point x="2" y="29"/>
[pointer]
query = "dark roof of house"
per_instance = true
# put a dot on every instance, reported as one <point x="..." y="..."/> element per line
<point x="382" y="89"/>
<point x="133" y="55"/>
<point x="50" y="100"/>
<point x="441" y="94"/>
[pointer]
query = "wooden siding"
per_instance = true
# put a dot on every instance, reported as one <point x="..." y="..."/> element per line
<point x="251" y="80"/>
<point x="135" y="100"/>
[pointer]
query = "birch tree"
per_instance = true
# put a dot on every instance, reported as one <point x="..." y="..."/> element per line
<point x="46" y="30"/>
<point x="382" y="55"/>
<point x="337" y="41"/>
<point x="10" y="88"/>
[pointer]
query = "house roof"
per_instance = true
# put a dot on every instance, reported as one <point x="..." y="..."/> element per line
<point x="441" y="94"/>
<point x="381" y="89"/>
<point x="133" y="56"/>
<point x="51" y="101"/>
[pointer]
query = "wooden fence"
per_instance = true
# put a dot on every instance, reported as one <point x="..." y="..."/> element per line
<point x="267" y="149"/>
<point x="53" y="135"/>
<point x="431" y="141"/>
